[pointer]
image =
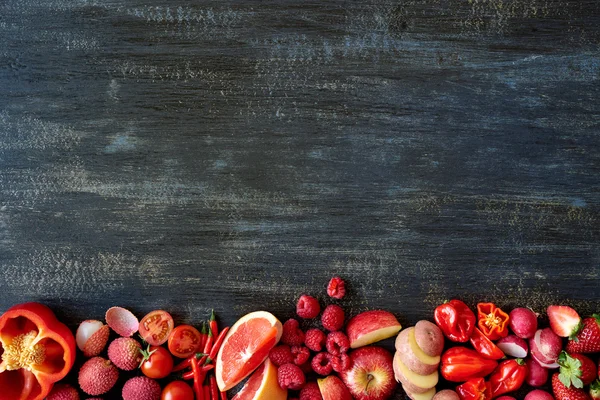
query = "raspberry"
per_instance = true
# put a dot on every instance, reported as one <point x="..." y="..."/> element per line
<point x="281" y="354"/>
<point x="292" y="334"/>
<point x="306" y="367"/>
<point x="321" y="364"/>
<point x="310" y="391"/>
<point x="341" y="363"/>
<point x="290" y="376"/>
<point x="337" y="342"/>
<point x="336" y="288"/>
<point x="315" y="339"/>
<point x="307" y="307"/>
<point x="332" y="318"/>
<point x="301" y="354"/>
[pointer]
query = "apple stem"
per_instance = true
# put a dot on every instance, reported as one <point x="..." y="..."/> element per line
<point x="369" y="380"/>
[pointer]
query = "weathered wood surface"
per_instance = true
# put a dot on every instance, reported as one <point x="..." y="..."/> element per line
<point x="189" y="155"/>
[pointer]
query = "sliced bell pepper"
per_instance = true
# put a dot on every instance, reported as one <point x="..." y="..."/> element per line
<point x="508" y="377"/>
<point x="459" y="364"/>
<point x="456" y="320"/>
<point x="485" y="346"/>
<point x="492" y="321"/>
<point x="37" y="350"/>
<point x="474" y="389"/>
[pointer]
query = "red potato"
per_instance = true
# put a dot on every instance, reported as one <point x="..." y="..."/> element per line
<point x="428" y="395"/>
<point x="429" y="337"/>
<point x="412" y="355"/>
<point x="413" y="383"/>
<point x="538" y="395"/>
<point x="446" y="394"/>
<point x="536" y="374"/>
<point x="523" y="322"/>
<point x="513" y="346"/>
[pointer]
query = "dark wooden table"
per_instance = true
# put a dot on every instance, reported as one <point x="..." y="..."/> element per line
<point x="232" y="155"/>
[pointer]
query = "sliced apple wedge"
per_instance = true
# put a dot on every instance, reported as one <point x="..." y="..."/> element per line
<point x="370" y="327"/>
<point x="332" y="388"/>
<point x="413" y="356"/>
<point x="415" y="383"/>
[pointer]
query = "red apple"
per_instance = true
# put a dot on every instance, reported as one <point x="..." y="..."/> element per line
<point x="332" y="388"/>
<point x="371" y="376"/>
<point x="371" y="326"/>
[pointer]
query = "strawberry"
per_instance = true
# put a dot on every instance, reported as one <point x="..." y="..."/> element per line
<point x="588" y="339"/>
<point x="561" y="392"/>
<point x="576" y="369"/>
<point x="595" y="390"/>
<point x="564" y="321"/>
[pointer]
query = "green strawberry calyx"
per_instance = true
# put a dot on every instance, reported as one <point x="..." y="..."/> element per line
<point x="595" y="389"/>
<point x="570" y="370"/>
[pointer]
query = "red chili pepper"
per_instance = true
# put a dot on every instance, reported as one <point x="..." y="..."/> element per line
<point x="214" y="392"/>
<point x="492" y="321"/>
<point x="203" y="336"/>
<point x="209" y="343"/>
<point x="460" y="364"/>
<point x="203" y="370"/>
<point x="508" y="377"/>
<point x="212" y="323"/>
<point x="186" y="363"/>
<point x="197" y="382"/>
<point x="456" y="320"/>
<point x="485" y="346"/>
<point x="223" y="396"/>
<point x="206" y="389"/>
<point x="37" y="351"/>
<point x="474" y="389"/>
<point x="218" y="343"/>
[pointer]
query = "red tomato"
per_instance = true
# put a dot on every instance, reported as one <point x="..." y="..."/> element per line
<point x="177" y="390"/>
<point x="184" y="341"/>
<point x="156" y="327"/>
<point x="158" y="363"/>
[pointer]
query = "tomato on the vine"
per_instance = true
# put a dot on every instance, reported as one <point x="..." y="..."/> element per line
<point x="158" y="362"/>
<point x="156" y="327"/>
<point x="184" y="341"/>
<point x="177" y="390"/>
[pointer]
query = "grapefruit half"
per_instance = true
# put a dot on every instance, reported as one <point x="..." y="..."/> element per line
<point x="262" y="385"/>
<point x="245" y="347"/>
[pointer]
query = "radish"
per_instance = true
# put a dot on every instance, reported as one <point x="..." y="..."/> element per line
<point x="513" y="346"/>
<point x="536" y="374"/>
<point x="538" y="395"/>
<point x="505" y="398"/>
<point x="523" y="322"/>
<point x="545" y="347"/>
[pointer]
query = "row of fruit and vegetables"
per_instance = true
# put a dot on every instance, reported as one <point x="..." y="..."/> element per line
<point x="485" y="354"/>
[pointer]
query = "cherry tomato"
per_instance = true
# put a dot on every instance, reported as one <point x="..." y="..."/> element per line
<point x="184" y="341"/>
<point x="177" y="390"/>
<point x="156" y="327"/>
<point x="158" y="363"/>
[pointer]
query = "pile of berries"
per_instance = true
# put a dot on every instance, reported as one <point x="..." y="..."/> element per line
<point x="315" y="350"/>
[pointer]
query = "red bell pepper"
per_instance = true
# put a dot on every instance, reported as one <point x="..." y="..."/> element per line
<point x="456" y="320"/>
<point x="485" y="346"/>
<point x="460" y="364"/>
<point x="508" y="377"/>
<point x="492" y="321"/>
<point x="37" y="351"/>
<point x="474" y="389"/>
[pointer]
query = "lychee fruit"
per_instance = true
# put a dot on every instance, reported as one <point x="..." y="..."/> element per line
<point x="141" y="388"/>
<point x="122" y="321"/>
<point x="91" y="337"/>
<point x="62" y="391"/>
<point x="125" y="353"/>
<point x="97" y="376"/>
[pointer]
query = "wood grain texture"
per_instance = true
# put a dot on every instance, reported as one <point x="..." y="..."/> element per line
<point x="233" y="155"/>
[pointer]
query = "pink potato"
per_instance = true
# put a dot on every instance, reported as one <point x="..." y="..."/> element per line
<point x="428" y="395"/>
<point x="412" y="356"/>
<point x="538" y="394"/>
<point x="536" y="374"/>
<point x="446" y="394"/>
<point x="429" y="337"/>
<point x="523" y="322"/>
<point x="413" y="383"/>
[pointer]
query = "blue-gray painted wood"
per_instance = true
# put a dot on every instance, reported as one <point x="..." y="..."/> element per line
<point x="233" y="155"/>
